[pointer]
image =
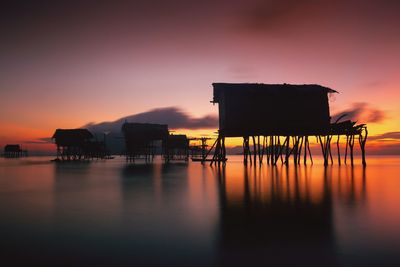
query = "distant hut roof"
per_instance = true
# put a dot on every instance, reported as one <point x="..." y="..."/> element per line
<point x="178" y="141"/>
<point x="68" y="137"/>
<point x="12" y="148"/>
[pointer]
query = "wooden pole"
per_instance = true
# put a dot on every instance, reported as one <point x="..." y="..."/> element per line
<point x="363" y="139"/>
<point x="255" y="149"/>
<point x="259" y="150"/>
<point x="223" y="150"/>
<point x="323" y="148"/>
<point x="309" y="151"/>
<point x="299" y="152"/>
<point x="268" y="149"/>
<point x="305" y="150"/>
<point x="272" y="150"/>
<point x="263" y="148"/>
<point x="287" y="150"/>
<point x="345" y="153"/>
<point x="280" y="149"/>
<point x="244" y="152"/>
<point x="294" y="150"/>
<point x="338" y="149"/>
<point x="351" y="144"/>
<point x="329" y="147"/>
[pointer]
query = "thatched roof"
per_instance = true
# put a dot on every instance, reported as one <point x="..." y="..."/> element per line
<point x="247" y="109"/>
<point x="12" y="148"/>
<point x="71" y="136"/>
<point x="278" y="89"/>
<point x="148" y="131"/>
<point x="178" y="141"/>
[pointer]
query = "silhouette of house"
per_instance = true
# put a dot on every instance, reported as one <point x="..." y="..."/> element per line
<point x="14" y="151"/>
<point x="140" y="139"/>
<point x="251" y="109"/>
<point x="176" y="147"/>
<point x="280" y="117"/>
<point x="71" y="143"/>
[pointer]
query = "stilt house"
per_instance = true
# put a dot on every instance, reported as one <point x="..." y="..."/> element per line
<point x="279" y="118"/>
<point x="140" y="139"/>
<point x="176" y="147"/>
<point x="14" y="151"/>
<point x="72" y="143"/>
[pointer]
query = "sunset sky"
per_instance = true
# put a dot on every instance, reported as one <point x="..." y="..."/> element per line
<point x="64" y="64"/>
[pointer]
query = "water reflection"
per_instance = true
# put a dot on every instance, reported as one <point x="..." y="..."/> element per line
<point x="280" y="215"/>
<point x="112" y="213"/>
<point x="160" y="219"/>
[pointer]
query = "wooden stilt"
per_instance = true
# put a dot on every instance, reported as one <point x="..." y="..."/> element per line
<point x="209" y="151"/>
<point x="268" y="149"/>
<point x="280" y="149"/>
<point x="299" y="152"/>
<point x="363" y="141"/>
<point x="244" y="151"/>
<point x="323" y="148"/>
<point x="216" y="151"/>
<point x="249" y="150"/>
<point x="329" y="147"/>
<point x="345" y="152"/>
<point x="263" y="148"/>
<point x="309" y="151"/>
<point x="255" y="149"/>
<point x="287" y="152"/>
<point x="305" y="150"/>
<point x="259" y="150"/>
<point x="351" y="145"/>
<point x="272" y="150"/>
<point x="338" y="149"/>
<point x="294" y="149"/>
<point x="223" y="150"/>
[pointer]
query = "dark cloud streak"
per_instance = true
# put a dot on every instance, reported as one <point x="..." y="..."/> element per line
<point x="173" y="116"/>
<point x="362" y="113"/>
<point x="385" y="136"/>
<point x="40" y="141"/>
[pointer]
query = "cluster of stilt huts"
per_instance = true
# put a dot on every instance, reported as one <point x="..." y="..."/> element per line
<point x="14" y="151"/>
<point x="78" y="144"/>
<point x="275" y="121"/>
<point x="143" y="141"/>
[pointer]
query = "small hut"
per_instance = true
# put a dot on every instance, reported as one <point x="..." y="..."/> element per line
<point x="72" y="143"/>
<point x="176" y="147"/>
<point x="278" y="119"/>
<point x="140" y="139"/>
<point x="14" y="151"/>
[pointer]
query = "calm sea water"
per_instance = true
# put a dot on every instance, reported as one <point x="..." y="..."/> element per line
<point x="109" y="213"/>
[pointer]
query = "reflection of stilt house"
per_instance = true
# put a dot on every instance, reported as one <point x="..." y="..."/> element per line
<point x="71" y="143"/>
<point x="272" y="217"/>
<point x="280" y="117"/>
<point x="140" y="139"/>
<point x="176" y="147"/>
<point x="14" y="151"/>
